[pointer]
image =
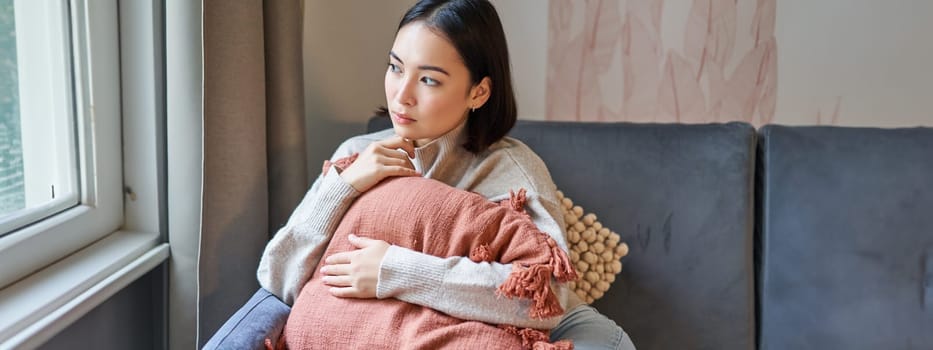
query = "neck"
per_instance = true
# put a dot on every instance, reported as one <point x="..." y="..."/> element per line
<point x="425" y="141"/>
<point x="422" y="142"/>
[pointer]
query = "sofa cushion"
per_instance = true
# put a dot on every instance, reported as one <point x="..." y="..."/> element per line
<point x="681" y="196"/>
<point x="846" y="238"/>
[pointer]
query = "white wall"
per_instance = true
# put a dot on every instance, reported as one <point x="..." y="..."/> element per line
<point x="873" y="57"/>
<point x="526" y="23"/>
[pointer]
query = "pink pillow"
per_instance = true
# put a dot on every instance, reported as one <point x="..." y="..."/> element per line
<point x="431" y="217"/>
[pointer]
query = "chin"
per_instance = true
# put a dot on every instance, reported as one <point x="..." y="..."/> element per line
<point x="405" y="132"/>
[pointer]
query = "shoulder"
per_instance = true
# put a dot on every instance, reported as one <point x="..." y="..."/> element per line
<point x="514" y="153"/>
<point x="512" y="163"/>
<point x="358" y="143"/>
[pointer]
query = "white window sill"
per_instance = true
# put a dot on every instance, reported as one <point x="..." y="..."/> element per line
<point x="37" y="307"/>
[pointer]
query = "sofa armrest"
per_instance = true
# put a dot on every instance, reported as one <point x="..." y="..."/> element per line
<point x="262" y="317"/>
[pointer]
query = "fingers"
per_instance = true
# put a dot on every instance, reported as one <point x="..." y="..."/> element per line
<point x="337" y="269"/>
<point x="347" y="292"/>
<point x="389" y="166"/>
<point x="342" y="282"/>
<point x="344" y="287"/>
<point x="339" y="258"/>
<point x="396" y="161"/>
<point x="338" y="281"/>
<point x="359" y="278"/>
<point x="397" y="142"/>
<point x="357" y="241"/>
<point x="400" y="171"/>
<point x="392" y="153"/>
<point x="387" y="156"/>
<point x="362" y="242"/>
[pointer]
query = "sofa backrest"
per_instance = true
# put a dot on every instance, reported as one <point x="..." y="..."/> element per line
<point x="845" y="239"/>
<point x="681" y="196"/>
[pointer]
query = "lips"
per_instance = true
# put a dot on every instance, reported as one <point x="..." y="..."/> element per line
<point x="402" y="118"/>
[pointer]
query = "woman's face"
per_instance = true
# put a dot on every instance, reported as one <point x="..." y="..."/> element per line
<point x="428" y="88"/>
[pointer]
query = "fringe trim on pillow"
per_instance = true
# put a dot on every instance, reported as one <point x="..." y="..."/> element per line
<point x="563" y="268"/>
<point x="340" y="164"/>
<point x="481" y="253"/>
<point x="517" y="200"/>
<point x="277" y="345"/>
<point x="536" y="339"/>
<point x="534" y="282"/>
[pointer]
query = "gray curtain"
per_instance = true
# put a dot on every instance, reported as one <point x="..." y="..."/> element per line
<point x="254" y="163"/>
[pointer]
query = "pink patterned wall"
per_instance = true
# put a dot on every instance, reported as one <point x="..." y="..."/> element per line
<point x="607" y="61"/>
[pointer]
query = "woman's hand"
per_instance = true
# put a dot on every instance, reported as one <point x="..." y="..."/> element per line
<point x="378" y="161"/>
<point x="355" y="274"/>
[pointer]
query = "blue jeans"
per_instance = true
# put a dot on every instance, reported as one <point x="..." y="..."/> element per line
<point x="590" y="330"/>
<point x="264" y="316"/>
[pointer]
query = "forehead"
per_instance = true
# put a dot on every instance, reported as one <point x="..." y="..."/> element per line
<point x="417" y="44"/>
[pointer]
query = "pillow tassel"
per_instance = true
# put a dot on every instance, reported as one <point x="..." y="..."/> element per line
<point x="560" y="262"/>
<point x="537" y="339"/>
<point x="340" y="164"/>
<point x="326" y="167"/>
<point x="481" y="253"/>
<point x="533" y="282"/>
<point x="517" y="200"/>
<point x="277" y="345"/>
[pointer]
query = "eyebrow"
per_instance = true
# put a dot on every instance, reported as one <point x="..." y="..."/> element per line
<point x="434" y="68"/>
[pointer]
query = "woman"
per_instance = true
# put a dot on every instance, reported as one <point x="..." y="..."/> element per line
<point x="449" y="95"/>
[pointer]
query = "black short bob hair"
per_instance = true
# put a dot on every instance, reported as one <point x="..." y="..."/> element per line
<point x="474" y="29"/>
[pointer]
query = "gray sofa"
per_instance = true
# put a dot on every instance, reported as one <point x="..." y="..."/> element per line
<point x="778" y="238"/>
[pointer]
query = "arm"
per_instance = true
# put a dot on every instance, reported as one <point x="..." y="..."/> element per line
<point x="294" y="252"/>
<point x="462" y="288"/>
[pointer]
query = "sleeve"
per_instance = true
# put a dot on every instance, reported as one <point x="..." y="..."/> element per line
<point x="294" y="252"/>
<point x="465" y="289"/>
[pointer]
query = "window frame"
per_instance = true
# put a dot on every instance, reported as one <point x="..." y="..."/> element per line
<point x="94" y="33"/>
<point x="44" y="69"/>
<point x="127" y="236"/>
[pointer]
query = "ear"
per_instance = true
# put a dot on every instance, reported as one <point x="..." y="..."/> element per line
<point x="480" y="92"/>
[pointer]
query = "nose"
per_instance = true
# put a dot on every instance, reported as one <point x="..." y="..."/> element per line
<point x="405" y="94"/>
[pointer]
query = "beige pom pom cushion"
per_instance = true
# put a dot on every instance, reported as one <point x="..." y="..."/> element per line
<point x="594" y="251"/>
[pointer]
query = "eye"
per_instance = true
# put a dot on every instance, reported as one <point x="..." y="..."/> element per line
<point x="393" y="68"/>
<point x="430" y="82"/>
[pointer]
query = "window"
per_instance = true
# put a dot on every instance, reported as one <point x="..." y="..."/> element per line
<point x="12" y="195"/>
<point x="60" y="152"/>
<point x="65" y="253"/>
<point x="38" y="169"/>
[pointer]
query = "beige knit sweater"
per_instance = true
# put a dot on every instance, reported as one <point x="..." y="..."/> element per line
<point x="456" y="286"/>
